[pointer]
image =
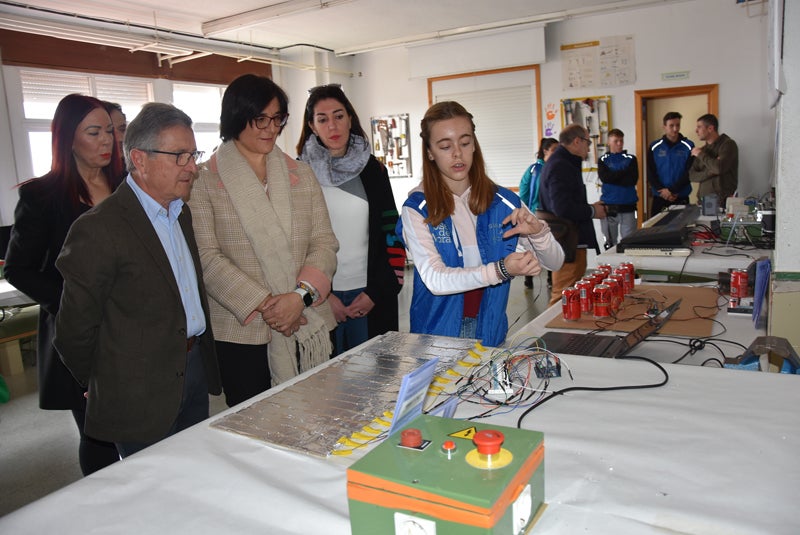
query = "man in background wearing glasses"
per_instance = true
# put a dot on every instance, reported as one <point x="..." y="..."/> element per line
<point x="563" y="204"/>
<point x="133" y="327"/>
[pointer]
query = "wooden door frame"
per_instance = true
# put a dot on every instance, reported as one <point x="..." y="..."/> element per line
<point x="640" y="99"/>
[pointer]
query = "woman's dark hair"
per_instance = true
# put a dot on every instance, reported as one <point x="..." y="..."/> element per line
<point x="324" y="92"/>
<point x="69" y="113"/>
<point x="437" y="195"/>
<point x="244" y="100"/>
<point x="544" y="146"/>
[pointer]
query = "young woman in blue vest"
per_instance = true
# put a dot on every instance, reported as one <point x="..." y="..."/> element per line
<point x="462" y="231"/>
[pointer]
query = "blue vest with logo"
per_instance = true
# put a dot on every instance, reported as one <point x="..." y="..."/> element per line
<point x="443" y="314"/>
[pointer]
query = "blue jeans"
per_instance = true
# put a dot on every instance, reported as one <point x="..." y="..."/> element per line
<point x="353" y="331"/>
<point x="469" y="328"/>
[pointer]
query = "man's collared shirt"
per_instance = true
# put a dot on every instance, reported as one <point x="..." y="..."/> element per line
<point x="165" y="223"/>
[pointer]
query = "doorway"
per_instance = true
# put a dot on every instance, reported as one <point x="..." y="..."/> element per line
<point x="650" y="106"/>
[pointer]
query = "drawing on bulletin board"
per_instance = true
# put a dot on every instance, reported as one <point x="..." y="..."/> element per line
<point x="594" y="114"/>
<point x="606" y="62"/>
<point x="390" y="144"/>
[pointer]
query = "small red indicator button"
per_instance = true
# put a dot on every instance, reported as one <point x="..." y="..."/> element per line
<point x="488" y="441"/>
<point x="411" y="438"/>
<point x="448" y="446"/>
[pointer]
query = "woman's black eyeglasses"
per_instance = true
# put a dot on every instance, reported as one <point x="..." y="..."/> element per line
<point x="262" y="121"/>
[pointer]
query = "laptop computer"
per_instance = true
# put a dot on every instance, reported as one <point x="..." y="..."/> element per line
<point x="598" y="345"/>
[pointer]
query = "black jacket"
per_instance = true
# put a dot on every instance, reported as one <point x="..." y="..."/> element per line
<point x="562" y="192"/>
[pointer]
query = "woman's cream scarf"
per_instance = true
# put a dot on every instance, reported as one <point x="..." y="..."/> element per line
<point x="267" y="223"/>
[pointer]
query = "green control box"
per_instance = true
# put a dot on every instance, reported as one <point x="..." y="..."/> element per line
<point x="439" y="476"/>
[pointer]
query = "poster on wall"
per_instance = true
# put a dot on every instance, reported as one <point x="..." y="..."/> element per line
<point x="390" y="144"/>
<point x="594" y="114"/>
<point x="607" y="62"/>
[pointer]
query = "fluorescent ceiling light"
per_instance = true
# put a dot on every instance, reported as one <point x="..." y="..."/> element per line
<point x="263" y="14"/>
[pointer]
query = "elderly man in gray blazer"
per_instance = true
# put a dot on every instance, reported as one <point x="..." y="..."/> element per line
<point x="134" y="326"/>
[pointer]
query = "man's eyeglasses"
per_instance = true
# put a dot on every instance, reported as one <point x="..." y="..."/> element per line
<point x="279" y="120"/>
<point x="324" y="86"/>
<point x="587" y="140"/>
<point x="181" y="158"/>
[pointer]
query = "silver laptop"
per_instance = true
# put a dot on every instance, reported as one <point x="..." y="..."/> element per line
<point x="598" y="345"/>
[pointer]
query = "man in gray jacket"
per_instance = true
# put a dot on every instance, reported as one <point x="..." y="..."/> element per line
<point x="716" y="165"/>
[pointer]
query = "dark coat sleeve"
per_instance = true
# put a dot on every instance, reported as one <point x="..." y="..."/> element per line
<point x="36" y="238"/>
<point x="652" y="171"/>
<point x="561" y="193"/>
<point x="387" y="256"/>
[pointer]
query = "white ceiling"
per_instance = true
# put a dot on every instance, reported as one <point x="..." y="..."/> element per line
<point x="344" y="26"/>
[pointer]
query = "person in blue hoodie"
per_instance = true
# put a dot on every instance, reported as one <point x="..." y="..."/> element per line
<point x="462" y="231"/>
<point x="668" y="162"/>
<point x="619" y="173"/>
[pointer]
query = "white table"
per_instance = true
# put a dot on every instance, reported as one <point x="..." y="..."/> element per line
<point x="705" y="262"/>
<point x="713" y="451"/>
<point x="738" y="328"/>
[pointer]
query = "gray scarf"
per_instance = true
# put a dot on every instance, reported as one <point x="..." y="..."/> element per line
<point x="335" y="171"/>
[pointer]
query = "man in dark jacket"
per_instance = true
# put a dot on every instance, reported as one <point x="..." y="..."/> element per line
<point x="134" y="326"/>
<point x="563" y="193"/>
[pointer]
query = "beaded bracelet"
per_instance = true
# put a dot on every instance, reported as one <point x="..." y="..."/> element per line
<point x="501" y="267"/>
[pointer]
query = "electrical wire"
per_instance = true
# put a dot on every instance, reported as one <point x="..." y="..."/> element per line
<point x="600" y="388"/>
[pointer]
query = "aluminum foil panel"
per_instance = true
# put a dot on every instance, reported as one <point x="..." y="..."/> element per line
<point x="343" y="396"/>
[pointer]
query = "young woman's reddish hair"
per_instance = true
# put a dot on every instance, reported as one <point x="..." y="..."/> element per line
<point x="438" y="196"/>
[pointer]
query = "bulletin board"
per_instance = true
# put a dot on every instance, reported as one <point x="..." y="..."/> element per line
<point x="594" y="114"/>
<point x="390" y="144"/>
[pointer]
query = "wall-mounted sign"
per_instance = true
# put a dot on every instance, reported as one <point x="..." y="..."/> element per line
<point x="672" y="76"/>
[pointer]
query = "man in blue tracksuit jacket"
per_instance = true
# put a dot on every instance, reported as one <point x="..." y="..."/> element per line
<point x="668" y="162"/>
<point x="619" y="173"/>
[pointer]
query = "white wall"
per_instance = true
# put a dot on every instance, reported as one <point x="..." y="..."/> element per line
<point x="713" y="39"/>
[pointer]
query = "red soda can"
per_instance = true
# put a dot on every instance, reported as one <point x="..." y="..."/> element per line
<point x="605" y="268"/>
<point x="571" y="304"/>
<point x="627" y="280"/>
<point x="616" y="290"/>
<point x="598" y="275"/>
<point x="739" y="283"/>
<point x="602" y="301"/>
<point x="628" y="266"/>
<point x="585" y="291"/>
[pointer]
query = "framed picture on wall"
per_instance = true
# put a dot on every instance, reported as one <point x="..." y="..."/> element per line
<point x="594" y="114"/>
<point x="390" y="144"/>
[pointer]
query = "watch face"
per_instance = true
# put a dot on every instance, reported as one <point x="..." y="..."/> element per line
<point x="307" y="299"/>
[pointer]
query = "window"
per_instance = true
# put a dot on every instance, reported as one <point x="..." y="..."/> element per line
<point x="203" y="103"/>
<point x="507" y="121"/>
<point x="41" y="92"/>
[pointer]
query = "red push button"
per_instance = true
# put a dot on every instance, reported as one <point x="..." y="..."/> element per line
<point x="448" y="446"/>
<point x="411" y="438"/>
<point x="488" y="441"/>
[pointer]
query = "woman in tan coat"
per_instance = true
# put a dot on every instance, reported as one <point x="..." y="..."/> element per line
<point x="266" y="245"/>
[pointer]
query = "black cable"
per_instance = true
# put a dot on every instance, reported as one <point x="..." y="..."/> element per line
<point x="713" y="359"/>
<point x="600" y="388"/>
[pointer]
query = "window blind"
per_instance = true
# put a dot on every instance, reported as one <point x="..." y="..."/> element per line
<point x="503" y="127"/>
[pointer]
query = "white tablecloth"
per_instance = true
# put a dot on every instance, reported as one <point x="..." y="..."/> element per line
<point x="713" y="451"/>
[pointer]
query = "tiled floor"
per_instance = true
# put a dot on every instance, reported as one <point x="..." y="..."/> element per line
<point x="38" y="449"/>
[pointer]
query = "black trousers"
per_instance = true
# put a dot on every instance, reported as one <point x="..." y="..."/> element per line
<point x="244" y="370"/>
